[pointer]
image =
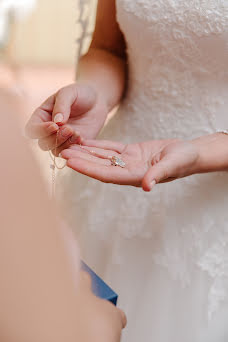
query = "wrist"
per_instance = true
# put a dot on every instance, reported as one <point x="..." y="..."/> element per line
<point x="102" y="108"/>
<point x="212" y="153"/>
<point x="198" y="165"/>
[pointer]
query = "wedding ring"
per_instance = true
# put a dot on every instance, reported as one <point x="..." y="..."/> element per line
<point x="115" y="161"/>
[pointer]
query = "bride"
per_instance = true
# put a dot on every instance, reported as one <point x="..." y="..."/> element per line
<point x="164" y="252"/>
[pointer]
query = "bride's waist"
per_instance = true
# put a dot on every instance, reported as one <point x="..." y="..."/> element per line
<point x="172" y="85"/>
<point x="175" y="111"/>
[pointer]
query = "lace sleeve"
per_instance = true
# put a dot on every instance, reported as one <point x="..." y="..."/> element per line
<point x="86" y="14"/>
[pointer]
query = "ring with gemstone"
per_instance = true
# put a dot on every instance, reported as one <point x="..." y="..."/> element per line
<point x="116" y="161"/>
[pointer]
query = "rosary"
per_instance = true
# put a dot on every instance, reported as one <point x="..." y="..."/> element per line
<point x="54" y="166"/>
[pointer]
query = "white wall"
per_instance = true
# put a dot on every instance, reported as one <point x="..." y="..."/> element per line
<point x="47" y="36"/>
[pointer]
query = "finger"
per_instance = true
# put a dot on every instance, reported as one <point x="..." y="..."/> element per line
<point x="98" y="152"/>
<point x="39" y="125"/>
<point x="123" y="318"/>
<point x="53" y="142"/>
<point x="81" y="98"/>
<point x="103" y="173"/>
<point x="105" y="144"/>
<point x="41" y="130"/>
<point x="74" y="139"/>
<point x="48" y="104"/>
<point x="44" y="112"/>
<point x="160" y="172"/>
<point x="70" y="154"/>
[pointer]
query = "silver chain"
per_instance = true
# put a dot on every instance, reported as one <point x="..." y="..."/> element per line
<point x="54" y="166"/>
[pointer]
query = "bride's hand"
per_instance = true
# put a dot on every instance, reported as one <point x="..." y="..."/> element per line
<point x="146" y="163"/>
<point x="74" y="111"/>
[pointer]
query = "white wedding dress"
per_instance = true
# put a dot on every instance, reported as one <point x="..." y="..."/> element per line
<point x="166" y="252"/>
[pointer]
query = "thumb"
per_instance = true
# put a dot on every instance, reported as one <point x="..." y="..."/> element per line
<point x="164" y="169"/>
<point x="79" y="97"/>
<point x="64" y="99"/>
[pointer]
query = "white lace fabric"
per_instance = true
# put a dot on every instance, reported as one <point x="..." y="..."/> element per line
<point x="179" y="79"/>
<point x="178" y="86"/>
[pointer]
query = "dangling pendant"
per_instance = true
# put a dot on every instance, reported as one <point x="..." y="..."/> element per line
<point x="53" y="168"/>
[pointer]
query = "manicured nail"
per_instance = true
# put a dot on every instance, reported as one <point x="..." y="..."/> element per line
<point x="53" y="128"/>
<point x="58" y="119"/>
<point x="152" y="184"/>
<point x="66" y="132"/>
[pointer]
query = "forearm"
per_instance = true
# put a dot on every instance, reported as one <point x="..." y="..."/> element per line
<point x="213" y="153"/>
<point x="106" y="73"/>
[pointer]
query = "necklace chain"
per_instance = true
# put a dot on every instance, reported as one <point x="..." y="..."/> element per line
<point x="54" y="166"/>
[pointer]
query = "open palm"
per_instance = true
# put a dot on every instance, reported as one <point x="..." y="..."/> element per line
<point x="146" y="163"/>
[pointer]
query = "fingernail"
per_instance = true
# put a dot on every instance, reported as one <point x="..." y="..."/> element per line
<point x="65" y="132"/>
<point x="152" y="184"/>
<point x="58" y="118"/>
<point x="53" y="128"/>
<point x="60" y="155"/>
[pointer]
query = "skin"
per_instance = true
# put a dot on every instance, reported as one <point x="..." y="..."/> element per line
<point x="101" y="84"/>
<point x="43" y="294"/>
<point x="151" y="162"/>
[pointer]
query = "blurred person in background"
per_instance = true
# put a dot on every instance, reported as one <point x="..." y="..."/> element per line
<point x="43" y="294"/>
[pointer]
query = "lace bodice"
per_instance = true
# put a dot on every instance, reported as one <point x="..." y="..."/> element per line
<point x="178" y="60"/>
<point x="178" y="86"/>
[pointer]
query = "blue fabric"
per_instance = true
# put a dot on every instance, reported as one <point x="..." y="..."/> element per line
<point x="99" y="287"/>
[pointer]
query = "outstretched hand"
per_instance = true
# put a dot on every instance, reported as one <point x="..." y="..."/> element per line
<point x="146" y="163"/>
